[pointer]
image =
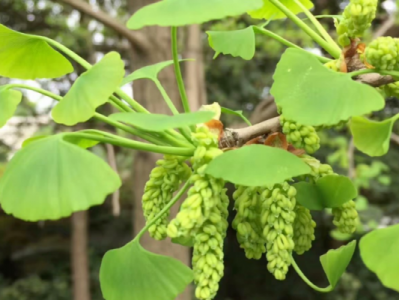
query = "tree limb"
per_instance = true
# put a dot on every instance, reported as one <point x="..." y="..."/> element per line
<point x="137" y="39"/>
<point x="395" y="138"/>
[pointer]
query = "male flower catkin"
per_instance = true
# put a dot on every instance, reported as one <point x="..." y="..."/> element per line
<point x="391" y="90"/>
<point x="277" y="218"/>
<point x="357" y="18"/>
<point x="164" y="181"/>
<point x="303" y="229"/>
<point x="247" y="221"/>
<point x="382" y="53"/>
<point x="300" y="136"/>
<point x="346" y="217"/>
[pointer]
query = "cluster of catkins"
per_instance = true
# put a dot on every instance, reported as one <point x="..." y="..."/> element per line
<point x="268" y="219"/>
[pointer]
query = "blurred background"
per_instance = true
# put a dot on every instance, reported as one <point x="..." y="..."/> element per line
<point x="60" y="260"/>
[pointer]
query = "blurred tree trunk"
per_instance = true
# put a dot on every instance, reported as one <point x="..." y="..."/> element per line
<point x="148" y="95"/>
<point x="80" y="265"/>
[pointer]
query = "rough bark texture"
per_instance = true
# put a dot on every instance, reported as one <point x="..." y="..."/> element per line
<point x="80" y="264"/>
<point x="146" y="93"/>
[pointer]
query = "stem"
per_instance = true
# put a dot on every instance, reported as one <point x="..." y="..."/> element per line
<point x="87" y="65"/>
<point x="164" y="210"/>
<point x="122" y="105"/>
<point x="390" y="73"/>
<point x="361" y="72"/>
<point x="286" y="42"/>
<point x="124" y="142"/>
<point x="165" y="95"/>
<point x="308" y="282"/>
<point x="318" y="26"/>
<point x="179" y="77"/>
<point x="318" y="39"/>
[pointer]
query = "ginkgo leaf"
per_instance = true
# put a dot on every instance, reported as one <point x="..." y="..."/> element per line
<point x="9" y="100"/>
<point x="336" y="261"/>
<point x="379" y="252"/>
<point x="51" y="178"/>
<point x="149" y="72"/>
<point x="182" y="12"/>
<point x="158" y="123"/>
<point x="270" y="11"/>
<point x="236" y="42"/>
<point x="91" y="90"/>
<point x="132" y="272"/>
<point x="25" y="56"/>
<point x="257" y="165"/>
<point x="307" y="92"/>
<point x="372" y="137"/>
<point x="328" y="192"/>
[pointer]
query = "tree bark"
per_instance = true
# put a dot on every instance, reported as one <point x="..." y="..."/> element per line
<point x="80" y="264"/>
<point x="146" y="93"/>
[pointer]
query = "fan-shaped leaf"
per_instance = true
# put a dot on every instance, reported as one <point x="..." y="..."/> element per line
<point x="91" y="89"/>
<point x="149" y="72"/>
<point x="328" y="192"/>
<point x="9" y="100"/>
<point x="311" y="94"/>
<point x="50" y="178"/>
<point x="157" y="123"/>
<point x="237" y="42"/>
<point x="257" y="165"/>
<point x="183" y="12"/>
<point x="372" y="137"/>
<point x="26" y="56"/>
<point x="269" y="10"/>
<point x="334" y="262"/>
<point x="132" y="272"/>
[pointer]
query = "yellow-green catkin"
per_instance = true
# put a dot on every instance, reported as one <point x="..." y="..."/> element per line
<point x="346" y="217"/>
<point x="332" y="65"/>
<point x="303" y="229"/>
<point x="277" y="218"/>
<point x="300" y="136"/>
<point x="247" y="221"/>
<point x="163" y="182"/>
<point x="391" y="90"/>
<point x="318" y="169"/>
<point x="357" y="18"/>
<point x="203" y="217"/>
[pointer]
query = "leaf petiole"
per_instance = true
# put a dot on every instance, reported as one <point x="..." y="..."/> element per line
<point x="308" y="282"/>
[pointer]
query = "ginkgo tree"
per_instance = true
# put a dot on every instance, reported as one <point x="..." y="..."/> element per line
<point x="278" y="183"/>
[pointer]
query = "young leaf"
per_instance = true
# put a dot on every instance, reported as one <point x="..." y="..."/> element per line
<point x="379" y="252"/>
<point x="158" y="123"/>
<point x="9" y="100"/>
<point x="334" y="262"/>
<point x="328" y="192"/>
<point x="268" y="10"/>
<point x="236" y="113"/>
<point x="257" y="165"/>
<point x="91" y="90"/>
<point x="237" y="42"/>
<point x="182" y="12"/>
<point x="372" y="137"/>
<point x="132" y="272"/>
<point x="149" y="72"/>
<point x="307" y="91"/>
<point x="50" y="179"/>
<point x="26" y="56"/>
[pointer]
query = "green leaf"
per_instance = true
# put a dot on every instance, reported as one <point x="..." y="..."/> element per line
<point x="334" y="262"/>
<point x="26" y="56"/>
<point x="158" y="123"/>
<point x="184" y="241"/>
<point x="237" y="42"/>
<point x="340" y="236"/>
<point x="307" y="91"/>
<point x="372" y="137"/>
<point x="91" y="90"/>
<point x="182" y="12"/>
<point x="238" y="113"/>
<point x="257" y="165"/>
<point x="268" y="10"/>
<point x="50" y="179"/>
<point x="328" y="192"/>
<point x="9" y="100"/>
<point x="379" y="250"/>
<point x="149" y="72"/>
<point x="131" y="273"/>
